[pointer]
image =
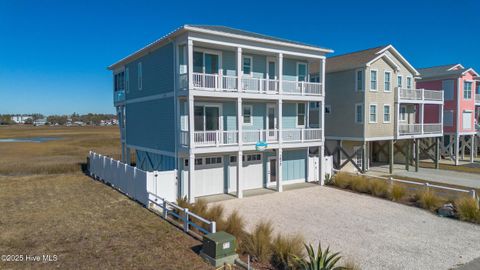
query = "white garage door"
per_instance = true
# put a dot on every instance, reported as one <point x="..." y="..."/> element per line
<point x="252" y="172"/>
<point x="208" y="178"/>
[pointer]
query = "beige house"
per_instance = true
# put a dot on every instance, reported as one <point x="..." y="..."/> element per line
<point x="374" y="113"/>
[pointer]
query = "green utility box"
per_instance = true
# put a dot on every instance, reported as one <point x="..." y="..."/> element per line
<point x="219" y="248"/>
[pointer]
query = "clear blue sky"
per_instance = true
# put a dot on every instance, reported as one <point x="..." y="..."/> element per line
<point x="54" y="54"/>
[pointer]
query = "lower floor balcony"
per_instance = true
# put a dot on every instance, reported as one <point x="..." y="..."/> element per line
<point x="420" y="129"/>
<point x="251" y="137"/>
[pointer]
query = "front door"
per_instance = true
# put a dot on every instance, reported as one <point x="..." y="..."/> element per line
<point x="272" y="171"/>
<point x="271" y="122"/>
<point x="272" y="74"/>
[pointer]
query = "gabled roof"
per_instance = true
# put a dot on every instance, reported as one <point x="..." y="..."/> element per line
<point x="364" y="58"/>
<point x="223" y="31"/>
<point x="450" y="70"/>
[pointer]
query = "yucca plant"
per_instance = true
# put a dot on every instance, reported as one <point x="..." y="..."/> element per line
<point x="322" y="260"/>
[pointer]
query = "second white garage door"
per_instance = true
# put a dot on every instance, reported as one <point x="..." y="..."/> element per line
<point x="208" y="177"/>
<point x="252" y="172"/>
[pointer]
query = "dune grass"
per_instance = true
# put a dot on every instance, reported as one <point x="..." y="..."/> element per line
<point x="48" y="206"/>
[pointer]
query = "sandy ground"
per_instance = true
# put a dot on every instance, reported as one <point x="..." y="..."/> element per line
<point x="376" y="233"/>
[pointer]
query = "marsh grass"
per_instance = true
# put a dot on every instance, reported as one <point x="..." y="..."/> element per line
<point x="283" y="248"/>
<point x="468" y="210"/>
<point x="398" y="192"/>
<point x="379" y="188"/>
<point x="48" y="206"/>
<point x="429" y="200"/>
<point x="258" y="242"/>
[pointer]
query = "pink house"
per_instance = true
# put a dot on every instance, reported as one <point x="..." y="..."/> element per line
<point x="460" y="96"/>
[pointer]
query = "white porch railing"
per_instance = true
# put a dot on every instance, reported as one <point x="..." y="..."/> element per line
<point x="230" y="137"/>
<point x="301" y="88"/>
<point x="301" y="135"/>
<point x="432" y="128"/>
<point x="419" y="129"/>
<point x="420" y="94"/>
<point x="216" y="82"/>
<point x="215" y="137"/>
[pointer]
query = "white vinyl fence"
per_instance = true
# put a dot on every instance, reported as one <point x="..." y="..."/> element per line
<point x="135" y="183"/>
<point x="157" y="189"/>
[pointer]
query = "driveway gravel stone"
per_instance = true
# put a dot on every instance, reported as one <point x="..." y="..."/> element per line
<point x="375" y="233"/>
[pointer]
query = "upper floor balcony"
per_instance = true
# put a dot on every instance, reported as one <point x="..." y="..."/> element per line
<point x="419" y="120"/>
<point x="419" y="96"/>
<point x="253" y="72"/>
<point x="223" y="83"/>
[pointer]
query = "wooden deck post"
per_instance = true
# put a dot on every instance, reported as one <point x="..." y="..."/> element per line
<point x="407" y="155"/>
<point x="437" y="153"/>
<point x="417" y="154"/>
<point x="392" y="155"/>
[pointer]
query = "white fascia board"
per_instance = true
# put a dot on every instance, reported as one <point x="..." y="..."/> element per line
<point x="234" y="45"/>
<point x="455" y="66"/>
<point x="470" y="70"/>
<point x="218" y="33"/>
<point x="384" y="55"/>
<point x="390" y="47"/>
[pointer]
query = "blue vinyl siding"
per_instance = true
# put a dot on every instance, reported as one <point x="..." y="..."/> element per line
<point x="157" y="72"/>
<point x="294" y="165"/>
<point x="290" y="69"/>
<point x="151" y="124"/>
<point x="259" y="110"/>
<point x="289" y="119"/>
<point x="229" y="63"/>
<point x="154" y="162"/>
<point x="229" y="116"/>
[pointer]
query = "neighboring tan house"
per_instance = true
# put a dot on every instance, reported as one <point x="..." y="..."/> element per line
<point x="230" y="110"/>
<point x="459" y="86"/>
<point x="374" y="112"/>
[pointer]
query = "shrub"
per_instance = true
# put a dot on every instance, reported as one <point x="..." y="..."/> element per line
<point x="343" y="180"/>
<point x="235" y="225"/>
<point x="379" y="188"/>
<point x="322" y="260"/>
<point x="215" y="213"/>
<point x="199" y="208"/>
<point x="429" y="200"/>
<point x="467" y="209"/>
<point x="258" y="243"/>
<point x="283" y="248"/>
<point x="351" y="265"/>
<point x="361" y="184"/>
<point x="398" y="192"/>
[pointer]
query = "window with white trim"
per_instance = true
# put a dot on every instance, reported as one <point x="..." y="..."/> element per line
<point x="409" y="82"/>
<point x="140" y="75"/>
<point x="247" y="65"/>
<point x="359" y="113"/>
<point x="386" y="113"/>
<point x="467" y="90"/>
<point x="302" y="72"/>
<point x="373" y="113"/>
<point x="399" y="81"/>
<point x="359" y="81"/>
<point x="198" y="161"/>
<point x="233" y="159"/>
<point x="387" y="80"/>
<point x="373" y="80"/>
<point x="213" y="160"/>
<point x="247" y="114"/>
<point x="403" y="113"/>
<point x="300" y="114"/>
<point x="255" y="157"/>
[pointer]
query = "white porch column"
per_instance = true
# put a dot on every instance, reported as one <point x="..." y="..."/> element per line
<point x="239" y="69"/>
<point x="190" y="64"/>
<point x="322" y="126"/>
<point x="279" y="169"/>
<point x="240" y="153"/>
<point x="280" y="121"/>
<point x="240" y="174"/>
<point x="421" y="117"/>
<point x="280" y="73"/>
<point x="191" y="178"/>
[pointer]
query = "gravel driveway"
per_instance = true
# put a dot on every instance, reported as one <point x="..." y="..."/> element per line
<point x="376" y="233"/>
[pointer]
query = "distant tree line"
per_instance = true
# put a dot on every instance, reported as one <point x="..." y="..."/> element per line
<point x="75" y="118"/>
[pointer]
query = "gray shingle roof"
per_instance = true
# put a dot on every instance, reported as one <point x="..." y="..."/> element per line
<point x="440" y="71"/>
<point x="229" y="30"/>
<point x="352" y="60"/>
